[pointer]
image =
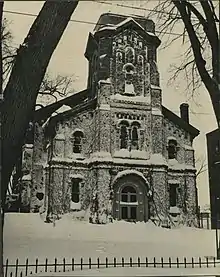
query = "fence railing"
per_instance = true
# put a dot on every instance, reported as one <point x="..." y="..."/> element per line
<point x="27" y="269"/>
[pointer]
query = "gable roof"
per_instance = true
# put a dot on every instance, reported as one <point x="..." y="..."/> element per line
<point x="180" y="122"/>
<point x="71" y="101"/>
<point x="112" y="19"/>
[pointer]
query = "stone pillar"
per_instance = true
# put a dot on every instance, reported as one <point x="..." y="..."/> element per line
<point x="103" y="192"/>
<point x="56" y="201"/>
<point x="157" y="121"/>
<point x="101" y="202"/>
<point x="38" y="180"/>
<point x="103" y="118"/>
<point x="157" y="134"/>
<point x="160" y="192"/>
<point x="191" y="201"/>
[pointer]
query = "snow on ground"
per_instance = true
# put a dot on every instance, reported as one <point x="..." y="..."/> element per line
<point x="27" y="236"/>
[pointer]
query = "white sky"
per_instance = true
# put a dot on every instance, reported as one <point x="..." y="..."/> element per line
<point x="68" y="59"/>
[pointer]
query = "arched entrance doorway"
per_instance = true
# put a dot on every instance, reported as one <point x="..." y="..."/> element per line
<point x="130" y="198"/>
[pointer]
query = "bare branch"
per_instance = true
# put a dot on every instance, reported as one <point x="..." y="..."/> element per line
<point x="52" y="89"/>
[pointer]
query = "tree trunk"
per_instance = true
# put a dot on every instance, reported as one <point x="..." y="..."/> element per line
<point x="1" y="96"/>
<point x="27" y="74"/>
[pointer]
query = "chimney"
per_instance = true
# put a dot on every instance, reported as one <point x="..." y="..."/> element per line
<point x="184" y="112"/>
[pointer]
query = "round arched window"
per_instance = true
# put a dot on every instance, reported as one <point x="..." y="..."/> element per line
<point x="129" y="194"/>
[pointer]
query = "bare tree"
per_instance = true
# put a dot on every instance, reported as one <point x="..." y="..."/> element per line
<point x="200" y="37"/>
<point x="201" y="165"/>
<point x="52" y="89"/>
<point x="8" y="50"/>
<point x="27" y="73"/>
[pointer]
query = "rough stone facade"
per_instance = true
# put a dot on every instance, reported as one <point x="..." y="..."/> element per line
<point x="120" y="154"/>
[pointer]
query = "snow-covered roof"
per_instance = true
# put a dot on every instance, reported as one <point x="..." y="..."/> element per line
<point x="129" y="172"/>
<point x="127" y="20"/>
<point x="62" y="109"/>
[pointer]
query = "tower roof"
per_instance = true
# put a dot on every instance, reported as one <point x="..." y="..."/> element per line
<point x="111" y="20"/>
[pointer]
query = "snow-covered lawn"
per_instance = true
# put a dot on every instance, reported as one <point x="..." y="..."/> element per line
<point x="27" y="236"/>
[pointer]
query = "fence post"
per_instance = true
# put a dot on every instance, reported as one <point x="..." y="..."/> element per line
<point x="36" y="265"/>
<point x="16" y="268"/>
<point x="46" y="265"/>
<point x="146" y="262"/>
<point x="200" y="262"/>
<point x="154" y="262"/>
<point x="64" y="264"/>
<point x="177" y="262"/>
<point x="26" y="267"/>
<point x="214" y="261"/>
<point x="169" y="262"/>
<point x="98" y="262"/>
<point x="207" y="261"/>
<point x="73" y="264"/>
<point x="192" y="262"/>
<point x="81" y="263"/>
<point x="130" y="262"/>
<point x="6" y="268"/>
<point x="122" y="262"/>
<point x="90" y="262"/>
<point x="55" y="265"/>
<point x="114" y="262"/>
<point x="162" y="262"/>
<point x="185" y="262"/>
<point x="139" y="262"/>
<point x="106" y="262"/>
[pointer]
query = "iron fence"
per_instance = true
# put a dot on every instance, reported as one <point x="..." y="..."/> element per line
<point x="27" y="269"/>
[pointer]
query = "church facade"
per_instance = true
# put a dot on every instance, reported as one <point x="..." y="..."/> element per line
<point x="113" y="151"/>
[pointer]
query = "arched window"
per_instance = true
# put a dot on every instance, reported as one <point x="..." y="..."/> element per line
<point x="75" y="190"/>
<point x="129" y="71"/>
<point x="129" y="194"/>
<point x="172" y="149"/>
<point x="124" y="137"/>
<point x="141" y="62"/>
<point x="146" y="53"/>
<point x="119" y="57"/>
<point x="77" y="141"/>
<point x="129" y="55"/>
<point x="134" y="138"/>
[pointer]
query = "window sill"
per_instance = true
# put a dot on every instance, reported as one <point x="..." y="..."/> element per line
<point x="78" y="156"/>
<point x="75" y="206"/>
<point x="174" y="210"/>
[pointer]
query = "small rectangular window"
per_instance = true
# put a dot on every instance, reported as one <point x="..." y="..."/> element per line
<point x="75" y="190"/>
<point x="173" y="195"/>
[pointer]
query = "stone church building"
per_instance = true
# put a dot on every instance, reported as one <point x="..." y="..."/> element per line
<point x="113" y="151"/>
